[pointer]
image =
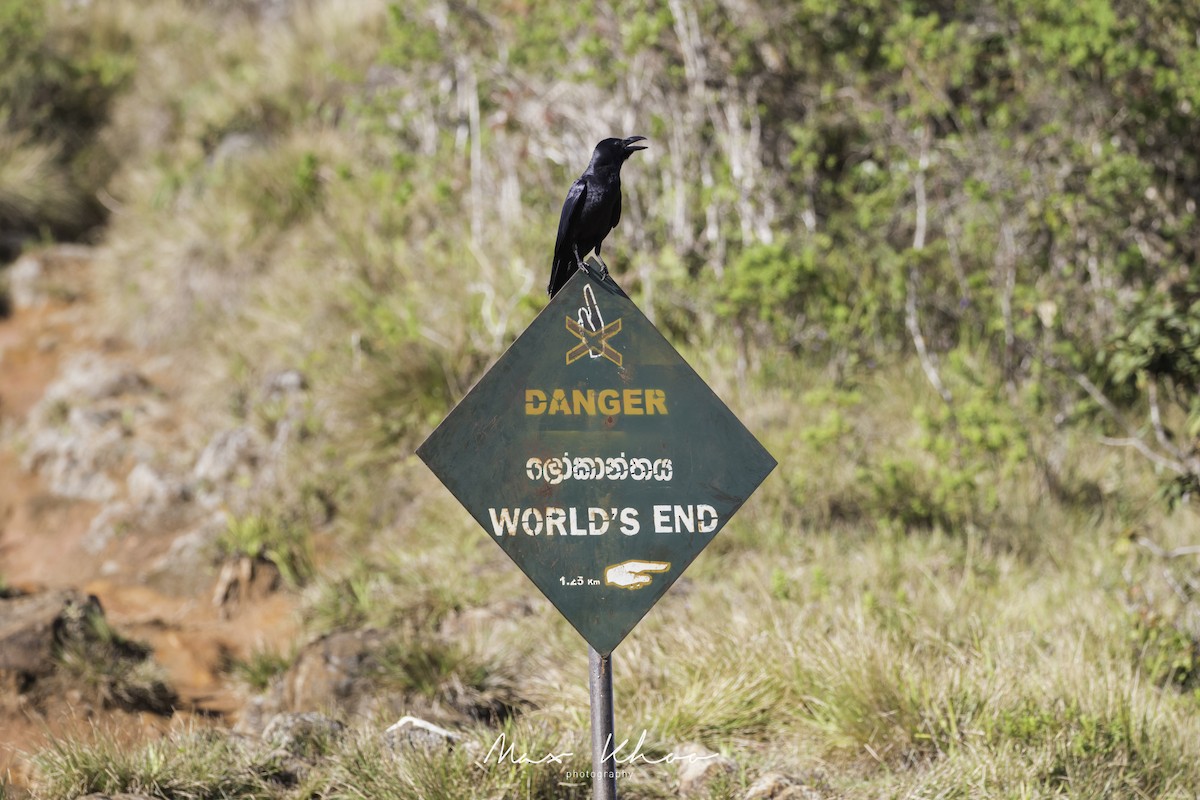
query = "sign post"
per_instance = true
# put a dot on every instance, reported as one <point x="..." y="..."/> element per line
<point x="602" y="464"/>
<point x="604" y="759"/>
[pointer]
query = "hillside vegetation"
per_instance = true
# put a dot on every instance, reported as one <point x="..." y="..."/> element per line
<point x="939" y="257"/>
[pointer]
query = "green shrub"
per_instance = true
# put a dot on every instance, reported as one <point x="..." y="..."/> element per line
<point x="260" y="667"/>
<point x="270" y="538"/>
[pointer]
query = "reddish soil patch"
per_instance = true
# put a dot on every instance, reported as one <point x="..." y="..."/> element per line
<point x="29" y="356"/>
<point x="40" y="532"/>
<point x="40" y="536"/>
<point x="194" y="641"/>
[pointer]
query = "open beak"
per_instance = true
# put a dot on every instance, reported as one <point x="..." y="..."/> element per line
<point x="630" y="146"/>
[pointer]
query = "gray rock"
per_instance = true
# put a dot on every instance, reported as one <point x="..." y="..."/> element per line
<point x="348" y="672"/>
<point x="47" y="274"/>
<point x="73" y="457"/>
<point x="777" y="786"/>
<point x="700" y="768"/>
<point x="24" y="283"/>
<point x="304" y="735"/>
<point x="35" y="629"/>
<point x="328" y="673"/>
<point x="187" y="565"/>
<point x="284" y="383"/>
<point x="235" y="147"/>
<point x="226" y="454"/>
<point x="105" y="526"/>
<point x="147" y="489"/>
<point x="91" y="376"/>
<point x="191" y="550"/>
<point x="78" y="430"/>
<point x="153" y="502"/>
<point x="31" y="627"/>
<point x="255" y="715"/>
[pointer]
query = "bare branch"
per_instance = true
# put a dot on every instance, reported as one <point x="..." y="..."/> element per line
<point x="1094" y="392"/>
<point x="1007" y="252"/>
<point x="1161" y="552"/>
<point x="1132" y="439"/>
<point x="910" y="303"/>
<point x="1144" y="449"/>
<point x="1156" y="421"/>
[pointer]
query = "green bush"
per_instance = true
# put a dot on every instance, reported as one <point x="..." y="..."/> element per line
<point x="260" y="667"/>
<point x="271" y="538"/>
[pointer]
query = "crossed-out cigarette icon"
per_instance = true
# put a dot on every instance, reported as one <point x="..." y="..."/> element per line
<point x="592" y="332"/>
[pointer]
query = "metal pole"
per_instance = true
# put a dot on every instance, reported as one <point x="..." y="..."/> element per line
<point x="604" y="765"/>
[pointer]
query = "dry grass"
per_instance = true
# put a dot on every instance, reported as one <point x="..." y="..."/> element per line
<point x="904" y="609"/>
<point x="33" y="185"/>
<point x="192" y="765"/>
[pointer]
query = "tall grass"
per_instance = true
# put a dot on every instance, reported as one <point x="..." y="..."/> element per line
<point x="32" y="183"/>
<point x="924" y="600"/>
<point x="195" y="766"/>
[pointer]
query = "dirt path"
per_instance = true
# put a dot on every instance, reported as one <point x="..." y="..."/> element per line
<point x="43" y="545"/>
<point x="36" y="527"/>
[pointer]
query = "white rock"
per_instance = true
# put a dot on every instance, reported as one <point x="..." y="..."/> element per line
<point x="91" y="376"/>
<point x="777" y="786"/>
<point x="416" y="732"/>
<point x="147" y="489"/>
<point x="699" y="767"/>
<point x="225" y="454"/>
<point x="72" y="460"/>
<point x="24" y="283"/>
<point x="104" y="527"/>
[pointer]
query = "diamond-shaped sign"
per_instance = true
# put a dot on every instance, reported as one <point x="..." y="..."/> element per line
<point x="597" y="458"/>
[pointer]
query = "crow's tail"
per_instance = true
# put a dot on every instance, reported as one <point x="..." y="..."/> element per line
<point x="560" y="272"/>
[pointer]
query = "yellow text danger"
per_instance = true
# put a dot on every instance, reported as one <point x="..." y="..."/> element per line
<point x="590" y="402"/>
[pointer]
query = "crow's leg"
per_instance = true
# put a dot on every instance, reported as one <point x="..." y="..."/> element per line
<point x="604" y="267"/>
<point x="580" y="262"/>
<point x="583" y="265"/>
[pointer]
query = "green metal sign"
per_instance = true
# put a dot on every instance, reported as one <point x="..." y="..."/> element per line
<point x="597" y="458"/>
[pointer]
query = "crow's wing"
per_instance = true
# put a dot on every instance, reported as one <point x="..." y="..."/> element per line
<point x="572" y="208"/>
<point x="564" y="259"/>
<point x="616" y="217"/>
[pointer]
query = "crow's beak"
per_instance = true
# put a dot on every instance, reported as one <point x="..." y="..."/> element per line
<point x="629" y="145"/>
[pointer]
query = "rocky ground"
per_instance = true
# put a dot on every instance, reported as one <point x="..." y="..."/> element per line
<point x="121" y="616"/>
<point x="109" y="510"/>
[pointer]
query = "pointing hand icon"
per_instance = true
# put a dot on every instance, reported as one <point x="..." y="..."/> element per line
<point x="631" y="574"/>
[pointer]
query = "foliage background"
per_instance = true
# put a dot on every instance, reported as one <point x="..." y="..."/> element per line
<point x="939" y="256"/>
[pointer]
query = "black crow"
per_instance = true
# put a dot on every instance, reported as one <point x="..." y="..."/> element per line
<point x="591" y="210"/>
